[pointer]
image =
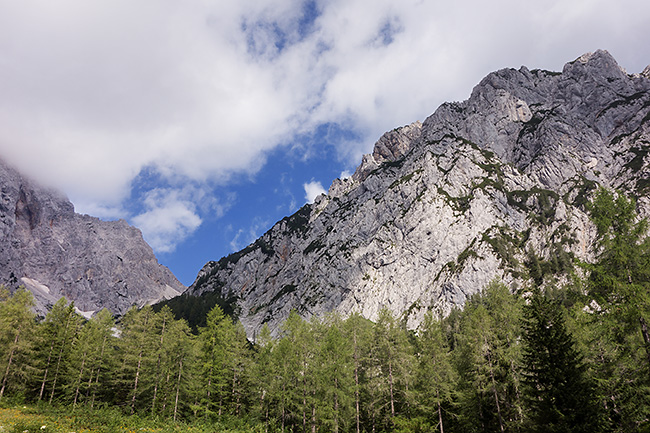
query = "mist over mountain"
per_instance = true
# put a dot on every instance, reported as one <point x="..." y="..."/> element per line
<point x="53" y="252"/>
<point x="492" y="187"/>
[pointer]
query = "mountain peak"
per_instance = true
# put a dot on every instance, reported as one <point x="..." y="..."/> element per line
<point x="55" y="252"/>
<point x="479" y="190"/>
<point x="599" y="63"/>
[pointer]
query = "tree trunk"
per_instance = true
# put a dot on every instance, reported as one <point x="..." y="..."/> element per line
<point x="494" y="387"/>
<point x="47" y="369"/>
<point x="356" y="382"/>
<point x="392" y="397"/>
<point x="155" y="388"/>
<point x="336" y="405"/>
<point x="313" y="411"/>
<point x="646" y="338"/>
<point x="439" y="412"/>
<point x="304" y="405"/>
<point x="11" y="357"/>
<point x="81" y="372"/>
<point x="164" y="405"/>
<point x="58" y="362"/>
<point x="517" y="393"/>
<point x="207" y="401"/>
<point x="178" y="387"/>
<point x="135" y="383"/>
<point x="99" y="367"/>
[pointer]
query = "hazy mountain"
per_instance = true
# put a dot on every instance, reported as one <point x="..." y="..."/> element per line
<point x="53" y="251"/>
<point x="494" y="186"/>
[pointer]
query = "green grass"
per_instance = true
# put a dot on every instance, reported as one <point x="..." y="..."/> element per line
<point x="46" y="419"/>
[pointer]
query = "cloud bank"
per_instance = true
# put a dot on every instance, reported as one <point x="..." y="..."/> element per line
<point x="93" y="93"/>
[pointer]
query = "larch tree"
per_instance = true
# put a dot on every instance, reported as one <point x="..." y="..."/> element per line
<point x="16" y="328"/>
<point x="436" y="382"/>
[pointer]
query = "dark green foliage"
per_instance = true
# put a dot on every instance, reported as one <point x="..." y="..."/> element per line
<point x="559" y="395"/>
<point x="642" y="186"/>
<point x="560" y="261"/>
<point x="530" y="127"/>
<point x="506" y="245"/>
<point x="640" y="154"/>
<point x="194" y="309"/>
<point x="286" y="289"/>
<point x="543" y="211"/>
<point x="404" y="178"/>
<point x="315" y="245"/>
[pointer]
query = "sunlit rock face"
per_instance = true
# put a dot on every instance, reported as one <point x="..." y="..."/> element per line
<point x="52" y="251"/>
<point x="441" y="208"/>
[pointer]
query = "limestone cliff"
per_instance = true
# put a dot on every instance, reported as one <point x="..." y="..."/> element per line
<point x="478" y="190"/>
<point x="52" y="251"/>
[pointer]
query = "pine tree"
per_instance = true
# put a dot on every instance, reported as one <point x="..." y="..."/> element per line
<point x="57" y="338"/>
<point x="89" y="357"/>
<point x="436" y="375"/>
<point x="392" y="364"/>
<point x="335" y="377"/>
<point x="560" y="396"/>
<point x="181" y="355"/>
<point x="137" y="345"/>
<point x="263" y="376"/>
<point x="16" y="330"/>
<point x="359" y="331"/>
<point x="215" y="340"/>
<point x="98" y="333"/>
<point x="617" y="321"/>
<point x="486" y="355"/>
<point x="165" y="318"/>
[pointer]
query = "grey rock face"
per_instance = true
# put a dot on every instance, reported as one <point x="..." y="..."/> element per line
<point x="440" y="209"/>
<point x="52" y="251"/>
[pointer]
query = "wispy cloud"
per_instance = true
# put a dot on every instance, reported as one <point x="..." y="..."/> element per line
<point x="244" y="237"/>
<point x="169" y="218"/>
<point x="95" y="92"/>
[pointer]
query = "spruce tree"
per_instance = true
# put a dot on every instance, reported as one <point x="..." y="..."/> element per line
<point x="559" y="394"/>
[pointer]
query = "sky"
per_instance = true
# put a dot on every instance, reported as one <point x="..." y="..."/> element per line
<point x="204" y="122"/>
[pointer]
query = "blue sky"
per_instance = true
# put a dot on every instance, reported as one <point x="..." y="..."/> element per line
<point x="203" y="123"/>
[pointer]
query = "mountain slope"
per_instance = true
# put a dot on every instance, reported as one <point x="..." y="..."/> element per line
<point x="489" y="187"/>
<point x="52" y="251"/>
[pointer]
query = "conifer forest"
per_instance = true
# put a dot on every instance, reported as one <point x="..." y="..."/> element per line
<point x="565" y="353"/>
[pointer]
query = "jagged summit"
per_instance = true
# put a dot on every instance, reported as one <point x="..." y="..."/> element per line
<point x="52" y="251"/>
<point x="442" y="207"/>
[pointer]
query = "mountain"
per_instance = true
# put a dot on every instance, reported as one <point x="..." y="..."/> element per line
<point x="52" y="251"/>
<point x="492" y="187"/>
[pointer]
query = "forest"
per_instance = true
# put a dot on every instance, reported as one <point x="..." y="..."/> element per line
<point x="567" y="353"/>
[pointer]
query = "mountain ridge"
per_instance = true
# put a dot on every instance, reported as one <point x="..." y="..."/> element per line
<point x="53" y="252"/>
<point x="442" y="207"/>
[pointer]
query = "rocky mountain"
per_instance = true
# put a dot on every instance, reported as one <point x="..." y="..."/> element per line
<point x="492" y="187"/>
<point x="52" y="251"/>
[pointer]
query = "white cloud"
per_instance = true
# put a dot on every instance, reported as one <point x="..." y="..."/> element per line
<point x="95" y="92"/>
<point x="312" y="190"/>
<point x="170" y="217"/>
